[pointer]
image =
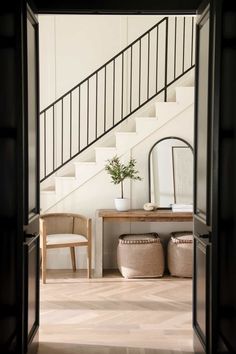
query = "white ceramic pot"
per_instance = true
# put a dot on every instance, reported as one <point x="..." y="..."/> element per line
<point x="122" y="204"/>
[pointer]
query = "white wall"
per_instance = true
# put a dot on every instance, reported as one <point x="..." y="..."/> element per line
<point x="99" y="193"/>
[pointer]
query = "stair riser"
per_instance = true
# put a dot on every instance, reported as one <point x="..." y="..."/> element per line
<point x="65" y="186"/>
<point x="169" y="110"/>
<point x="103" y="154"/>
<point x="46" y="201"/>
<point x="83" y="172"/>
<point x="126" y="141"/>
<point x="146" y="126"/>
<point x="184" y="95"/>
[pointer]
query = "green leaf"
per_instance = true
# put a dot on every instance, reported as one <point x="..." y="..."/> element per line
<point x="119" y="171"/>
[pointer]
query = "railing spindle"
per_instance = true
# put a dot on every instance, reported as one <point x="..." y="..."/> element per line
<point x="166" y="61"/>
<point x="45" y="145"/>
<point x="70" y="124"/>
<point x="105" y="94"/>
<point x="175" y="47"/>
<point x="157" y="53"/>
<point x="148" y="66"/>
<point x="140" y="66"/>
<point x="183" y="44"/>
<point x="53" y="137"/>
<point x="62" y="117"/>
<point x="122" y="87"/>
<point x="96" y="108"/>
<point x="131" y="75"/>
<point x="192" y="41"/>
<point x="114" y="87"/>
<point x="78" y="118"/>
<point x="88" y="126"/>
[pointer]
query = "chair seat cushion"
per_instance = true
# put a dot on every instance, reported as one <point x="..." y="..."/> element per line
<point x="65" y="238"/>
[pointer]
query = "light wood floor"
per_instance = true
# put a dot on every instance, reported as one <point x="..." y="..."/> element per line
<point x="115" y="316"/>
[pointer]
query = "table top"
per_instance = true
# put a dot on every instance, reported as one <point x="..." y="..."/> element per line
<point x="163" y="215"/>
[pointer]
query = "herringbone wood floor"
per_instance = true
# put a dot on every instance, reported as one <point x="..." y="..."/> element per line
<point x="114" y="315"/>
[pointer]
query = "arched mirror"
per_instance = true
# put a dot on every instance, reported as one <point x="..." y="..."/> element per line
<point x="170" y="172"/>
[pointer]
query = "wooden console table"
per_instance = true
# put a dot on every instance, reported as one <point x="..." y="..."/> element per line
<point x="140" y="215"/>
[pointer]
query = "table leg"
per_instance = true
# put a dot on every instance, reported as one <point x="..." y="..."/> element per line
<point x="98" y="272"/>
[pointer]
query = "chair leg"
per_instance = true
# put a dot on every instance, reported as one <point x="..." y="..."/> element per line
<point x="40" y="258"/>
<point x="73" y="261"/>
<point x="44" y="264"/>
<point x="89" y="261"/>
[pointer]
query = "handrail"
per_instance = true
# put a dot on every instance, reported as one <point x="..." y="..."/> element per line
<point x="114" y="91"/>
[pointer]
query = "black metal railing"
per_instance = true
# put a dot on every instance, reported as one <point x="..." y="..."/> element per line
<point x="144" y="69"/>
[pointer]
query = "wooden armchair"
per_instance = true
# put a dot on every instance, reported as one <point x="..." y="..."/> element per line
<point x="64" y="230"/>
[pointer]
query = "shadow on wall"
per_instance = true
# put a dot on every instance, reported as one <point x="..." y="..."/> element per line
<point x="68" y="348"/>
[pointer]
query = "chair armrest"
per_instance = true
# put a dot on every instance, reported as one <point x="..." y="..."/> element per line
<point x="82" y="225"/>
<point x="89" y="229"/>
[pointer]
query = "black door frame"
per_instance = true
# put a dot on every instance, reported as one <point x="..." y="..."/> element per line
<point x="172" y="7"/>
<point x="135" y="7"/>
<point x="116" y="7"/>
<point x="68" y="7"/>
<point x="106" y="7"/>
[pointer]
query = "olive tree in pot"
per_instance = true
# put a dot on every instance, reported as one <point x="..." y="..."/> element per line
<point x="119" y="172"/>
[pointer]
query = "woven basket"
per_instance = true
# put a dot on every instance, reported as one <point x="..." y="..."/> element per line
<point x="140" y="255"/>
<point x="180" y="254"/>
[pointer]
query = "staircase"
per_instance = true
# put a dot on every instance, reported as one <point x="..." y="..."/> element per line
<point x="109" y="101"/>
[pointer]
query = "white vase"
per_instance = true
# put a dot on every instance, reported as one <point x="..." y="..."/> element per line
<point x="122" y="204"/>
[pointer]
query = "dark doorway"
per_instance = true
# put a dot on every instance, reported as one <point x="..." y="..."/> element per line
<point x="19" y="213"/>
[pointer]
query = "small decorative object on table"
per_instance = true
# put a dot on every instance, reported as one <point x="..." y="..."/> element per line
<point x="119" y="172"/>
<point x="149" y="206"/>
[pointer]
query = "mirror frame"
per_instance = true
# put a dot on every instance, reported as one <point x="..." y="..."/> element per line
<point x="149" y="163"/>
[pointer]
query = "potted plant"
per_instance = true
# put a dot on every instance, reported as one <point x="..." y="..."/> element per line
<point x="119" y="172"/>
